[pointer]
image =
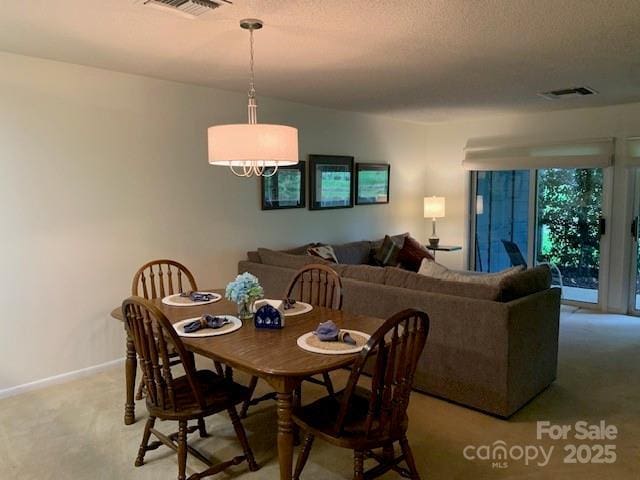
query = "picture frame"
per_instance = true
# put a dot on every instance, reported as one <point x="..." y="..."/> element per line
<point x="372" y="183"/>
<point x="285" y="189"/>
<point x="331" y="183"/>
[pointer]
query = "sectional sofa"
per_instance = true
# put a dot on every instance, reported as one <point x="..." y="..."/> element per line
<point x="492" y="346"/>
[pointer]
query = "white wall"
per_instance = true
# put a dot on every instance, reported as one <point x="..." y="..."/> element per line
<point x="102" y="171"/>
<point x="445" y="143"/>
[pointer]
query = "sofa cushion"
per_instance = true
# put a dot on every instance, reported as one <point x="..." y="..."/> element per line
<point x="254" y="257"/>
<point x="398" y="277"/>
<point x="286" y="260"/>
<point x="412" y="254"/>
<point x="363" y="273"/>
<point x="353" y="253"/>
<point x="323" y="251"/>
<point x="435" y="270"/>
<point x="525" y="283"/>
<point x="387" y="253"/>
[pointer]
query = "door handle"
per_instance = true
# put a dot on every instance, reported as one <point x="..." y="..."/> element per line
<point x="602" y="226"/>
<point x="634" y="229"/>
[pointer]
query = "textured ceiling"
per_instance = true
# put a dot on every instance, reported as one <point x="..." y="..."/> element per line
<point x="413" y="59"/>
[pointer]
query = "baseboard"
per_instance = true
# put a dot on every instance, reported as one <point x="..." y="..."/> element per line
<point x="57" y="379"/>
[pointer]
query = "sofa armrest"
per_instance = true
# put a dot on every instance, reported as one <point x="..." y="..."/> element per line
<point x="533" y="345"/>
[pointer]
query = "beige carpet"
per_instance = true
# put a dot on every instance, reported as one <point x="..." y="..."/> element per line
<point x="75" y="430"/>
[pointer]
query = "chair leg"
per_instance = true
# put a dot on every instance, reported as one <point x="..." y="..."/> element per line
<point x="145" y="441"/>
<point x="245" y="405"/>
<point x="182" y="449"/>
<point x="140" y="392"/>
<point x="303" y="456"/>
<point x="328" y="383"/>
<point x="408" y="457"/>
<point x="202" y="428"/>
<point x="358" y="465"/>
<point x="242" y="438"/>
<point x="388" y="452"/>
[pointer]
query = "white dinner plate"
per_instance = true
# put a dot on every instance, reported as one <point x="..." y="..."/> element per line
<point x="298" y="308"/>
<point x="235" y="324"/>
<point x="303" y="344"/>
<point x="178" y="301"/>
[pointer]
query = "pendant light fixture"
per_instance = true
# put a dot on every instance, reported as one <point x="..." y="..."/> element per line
<point x="253" y="148"/>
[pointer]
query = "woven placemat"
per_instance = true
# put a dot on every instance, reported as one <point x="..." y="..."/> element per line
<point x="313" y="341"/>
<point x="182" y="300"/>
<point x="221" y="330"/>
<point x="177" y="300"/>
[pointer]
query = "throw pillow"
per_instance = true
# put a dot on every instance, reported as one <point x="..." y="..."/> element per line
<point x="412" y="254"/>
<point x="432" y="269"/>
<point x="323" y="251"/>
<point x="399" y="239"/>
<point x="387" y="254"/>
<point x="353" y="253"/>
<point x="302" y="249"/>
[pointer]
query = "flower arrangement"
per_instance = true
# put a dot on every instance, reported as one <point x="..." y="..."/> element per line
<point x="245" y="289"/>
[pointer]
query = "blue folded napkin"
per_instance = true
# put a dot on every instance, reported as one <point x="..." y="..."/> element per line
<point x="198" y="296"/>
<point x="206" y="321"/>
<point x="329" y="332"/>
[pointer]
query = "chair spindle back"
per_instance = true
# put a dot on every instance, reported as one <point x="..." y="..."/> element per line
<point x="396" y="346"/>
<point x="317" y="285"/>
<point x="159" y="278"/>
<point x="155" y="338"/>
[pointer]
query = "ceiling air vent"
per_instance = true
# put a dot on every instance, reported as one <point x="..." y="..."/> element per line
<point x="185" y="8"/>
<point x="568" y="93"/>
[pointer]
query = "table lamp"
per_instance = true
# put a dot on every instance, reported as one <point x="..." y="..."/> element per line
<point x="433" y="208"/>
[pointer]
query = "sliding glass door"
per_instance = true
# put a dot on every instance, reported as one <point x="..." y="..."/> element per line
<point x="568" y="228"/>
<point x="502" y="215"/>
<point x="529" y="217"/>
<point x="634" y="298"/>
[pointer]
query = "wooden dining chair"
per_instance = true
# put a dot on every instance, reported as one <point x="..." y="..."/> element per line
<point x="318" y="285"/>
<point x="157" y="279"/>
<point x="192" y="396"/>
<point x="363" y="420"/>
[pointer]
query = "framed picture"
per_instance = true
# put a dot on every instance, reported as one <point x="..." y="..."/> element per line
<point x="330" y="182"/>
<point x="285" y="189"/>
<point x="372" y="183"/>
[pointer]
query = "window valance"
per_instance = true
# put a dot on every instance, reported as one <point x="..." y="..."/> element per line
<point x="492" y="154"/>
<point x="632" y="154"/>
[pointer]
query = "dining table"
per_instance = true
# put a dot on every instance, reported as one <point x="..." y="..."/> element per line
<point x="271" y="354"/>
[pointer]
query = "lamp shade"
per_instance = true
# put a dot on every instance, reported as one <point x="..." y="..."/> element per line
<point x="262" y="143"/>
<point x="433" y="207"/>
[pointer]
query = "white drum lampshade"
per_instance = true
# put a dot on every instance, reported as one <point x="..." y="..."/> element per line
<point x="266" y="145"/>
<point x="433" y="207"/>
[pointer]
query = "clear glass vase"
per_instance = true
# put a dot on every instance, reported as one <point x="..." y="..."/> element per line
<point x="245" y="310"/>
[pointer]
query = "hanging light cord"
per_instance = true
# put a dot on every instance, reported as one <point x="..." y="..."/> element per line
<point x="251" y="168"/>
<point x="253" y="105"/>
